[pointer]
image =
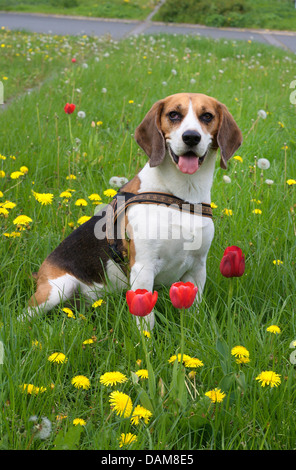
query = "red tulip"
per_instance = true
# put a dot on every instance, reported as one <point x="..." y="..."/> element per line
<point x="69" y="108"/>
<point x="141" y="301"/>
<point x="233" y="262"/>
<point x="182" y="294"/>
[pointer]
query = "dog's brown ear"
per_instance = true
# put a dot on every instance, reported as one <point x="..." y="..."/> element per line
<point x="229" y="135"/>
<point x="149" y="136"/>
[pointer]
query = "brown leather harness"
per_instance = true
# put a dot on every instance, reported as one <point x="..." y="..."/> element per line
<point x="123" y="200"/>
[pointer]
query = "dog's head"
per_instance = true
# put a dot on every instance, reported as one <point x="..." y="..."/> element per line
<point x="186" y="126"/>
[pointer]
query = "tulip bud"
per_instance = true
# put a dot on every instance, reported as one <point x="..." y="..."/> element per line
<point x="69" y="108"/>
<point x="233" y="262"/>
<point x="182" y="294"/>
<point x="141" y="301"/>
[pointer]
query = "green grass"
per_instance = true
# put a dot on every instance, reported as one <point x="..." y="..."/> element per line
<point x="34" y="131"/>
<point x="270" y="14"/>
<point x="128" y="9"/>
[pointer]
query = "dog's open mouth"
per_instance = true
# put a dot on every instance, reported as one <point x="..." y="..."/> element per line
<point x="188" y="163"/>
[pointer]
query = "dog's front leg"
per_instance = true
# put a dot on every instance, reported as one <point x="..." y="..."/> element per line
<point x="142" y="277"/>
<point x="197" y="276"/>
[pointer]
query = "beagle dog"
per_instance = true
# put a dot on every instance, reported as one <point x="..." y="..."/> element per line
<point x="161" y="245"/>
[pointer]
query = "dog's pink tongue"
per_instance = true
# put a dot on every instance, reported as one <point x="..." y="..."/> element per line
<point x="188" y="164"/>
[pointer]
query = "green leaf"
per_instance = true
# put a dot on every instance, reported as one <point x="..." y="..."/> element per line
<point x="68" y="440"/>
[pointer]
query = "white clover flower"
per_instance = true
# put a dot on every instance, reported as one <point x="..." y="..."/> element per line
<point x="192" y="81"/>
<point x="85" y="66"/>
<point x="81" y="114"/>
<point x="262" y="114"/>
<point x="269" y="182"/>
<point x="164" y="83"/>
<point x="104" y="90"/>
<point x="174" y="72"/>
<point x="263" y="163"/>
<point x="226" y="179"/>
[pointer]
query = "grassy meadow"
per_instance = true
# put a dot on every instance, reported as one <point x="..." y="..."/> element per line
<point x="44" y="151"/>
<point x="127" y="9"/>
<point x="270" y="14"/>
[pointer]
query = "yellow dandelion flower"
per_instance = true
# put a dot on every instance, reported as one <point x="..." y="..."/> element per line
<point x="257" y="211"/>
<point x="277" y="262"/>
<point x="238" y="158"/>
<point x="88" y="341"/>
<point x="193" y="362"/>
<point x="36" y="344"/>
<point x="95" y="197"/>
<point x="113" y="378"/>
<point x="121" y="404"/>
<point x="12" y="234"/>
<point x="69" y="312"/>
<point x="71" y="177"/>
<point x="291" y="181"/>
<point x="97" y="303"/>
<point x="58" y="357"/>
<point x="242" y="360"/>
<point x="2" y="157"/>
<point x="142" y="373"/>
<point x="239" y="351"/>
<point x="110" y="192"/>
<point x="32" y="389"/>
<point x="1" y="194"/>
<point x="147" y="333"/>
<point x="127" y="439"/>
<point x="16" y="174"/>
<point x="83" y="219"/>
<point x="79" y="421"/>
<point x="60" y="417"/>
<point x="2" y="174"/>
<point x="228" y="212"/>
<point x="213" y="205"/>
<point x="80" y="381"/>
<point x="273" y="329"/>
<point x="216" y="395"/>
<point x="268" y="377"/>
<point x="8" y="205"/>
<point x="173" y="358"/>
<point x="4" y="211"/>
<point x="140" y="413"/>
<point x="66" y="194"/>
<point x="81" y="202"/>
<point x="22" y="220"/>
<point x="131" y="101"/>
<point x="99" y="123"/>
<point x="24" y="169"/>
<point x="43" y="198"/>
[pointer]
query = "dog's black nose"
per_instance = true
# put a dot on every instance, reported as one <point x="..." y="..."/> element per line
<point x="191" y="138"/>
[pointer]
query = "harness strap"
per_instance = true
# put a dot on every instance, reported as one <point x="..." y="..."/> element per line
<point x="118" y="207"/>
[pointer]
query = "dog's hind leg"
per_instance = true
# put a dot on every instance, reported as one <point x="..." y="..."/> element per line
<point x="53" y="287"/>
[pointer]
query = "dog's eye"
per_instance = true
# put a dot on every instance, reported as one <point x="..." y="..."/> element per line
<point x="174" y="116"/>
<point x="206" y="117"/>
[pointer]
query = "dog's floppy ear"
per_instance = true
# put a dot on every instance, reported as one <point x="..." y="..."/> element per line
<point x="229" y="135"/>
<point x="149" y="136"/>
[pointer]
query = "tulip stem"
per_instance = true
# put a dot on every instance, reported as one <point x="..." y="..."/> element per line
<point x="230" y="293"/>
<point x="151" y="377"/>
<point x="182" y="336"/>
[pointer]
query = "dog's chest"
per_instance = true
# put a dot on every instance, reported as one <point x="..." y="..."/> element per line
<point x="168" y="240"/>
